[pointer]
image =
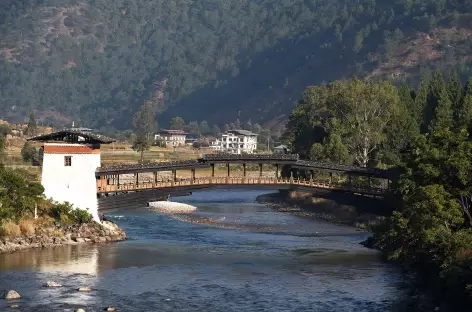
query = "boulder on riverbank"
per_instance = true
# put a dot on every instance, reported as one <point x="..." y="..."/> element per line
<point x="92" y="232"/>
<point x="11" y="295"/>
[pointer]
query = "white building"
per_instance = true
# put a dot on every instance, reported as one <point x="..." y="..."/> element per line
<point x="171" y="137"/>
<point x="70" y="160"/>
<point x="238" y="142"/>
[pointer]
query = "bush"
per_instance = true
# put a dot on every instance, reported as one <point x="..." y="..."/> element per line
<point x="10" y="228"/>
<point x="59" y="210"/>
<point x="81" y="216"/>
<point x="27" y="227"/>
<point x="65" y="213"/>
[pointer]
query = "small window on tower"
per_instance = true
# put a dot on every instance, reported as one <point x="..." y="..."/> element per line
<point x="67" y="161"/>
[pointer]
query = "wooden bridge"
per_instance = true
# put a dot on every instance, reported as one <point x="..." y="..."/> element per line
<point x="317" y="178"/>
<point x="208" y="182"/>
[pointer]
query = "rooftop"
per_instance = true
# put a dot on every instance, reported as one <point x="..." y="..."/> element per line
<point x="241" y="132"/>
<point x="73" y="135"/>
<point x="181" y="132"/>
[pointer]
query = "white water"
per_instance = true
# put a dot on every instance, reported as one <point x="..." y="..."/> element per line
<point x="171" y="207"/>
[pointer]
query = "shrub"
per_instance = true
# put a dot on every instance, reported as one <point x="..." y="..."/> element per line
<point x="10" y="228"/>
<point x="27" y="227"/>
<point x="59" y="210"/>
<point x="81" y="216"/>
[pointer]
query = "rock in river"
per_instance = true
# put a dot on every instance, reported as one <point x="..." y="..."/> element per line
<point x="11" y="294"/>
<point x="80" y="310"/>
<point x="85" y="289"/>
<point x="52" y="284"/>
<point x="110" y="309"/>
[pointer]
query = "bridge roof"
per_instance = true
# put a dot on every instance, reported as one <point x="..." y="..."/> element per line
<point x="73" y="136"/>
<point x="255" y="158"/>
<point x="150" y="167"/>
<point x="373" y="172"/>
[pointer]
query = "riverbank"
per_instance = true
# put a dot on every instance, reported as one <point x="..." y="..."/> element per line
<point x="304" y="204"/>
<point x="50" y="236"/>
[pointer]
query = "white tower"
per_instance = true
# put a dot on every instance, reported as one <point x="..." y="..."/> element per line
<point x="70" y="160"/>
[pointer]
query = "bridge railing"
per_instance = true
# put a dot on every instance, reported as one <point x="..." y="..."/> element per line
<point x="237" y="181"/>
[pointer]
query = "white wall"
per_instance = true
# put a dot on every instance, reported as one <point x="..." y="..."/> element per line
<point x="75" y="184"/>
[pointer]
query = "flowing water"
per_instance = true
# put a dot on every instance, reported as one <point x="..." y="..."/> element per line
<point x="249" y="258"/>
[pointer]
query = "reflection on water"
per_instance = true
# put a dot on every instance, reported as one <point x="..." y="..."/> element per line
<point x="82" y="259"/>
<point x="171" y="265"/>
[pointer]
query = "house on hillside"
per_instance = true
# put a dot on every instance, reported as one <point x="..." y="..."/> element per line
<point x="281" y="149"/>
<point x="170" y="138"/>
<point x="238" y="142"/>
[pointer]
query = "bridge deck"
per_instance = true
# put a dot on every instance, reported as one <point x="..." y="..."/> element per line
<point x="208" y="182"/>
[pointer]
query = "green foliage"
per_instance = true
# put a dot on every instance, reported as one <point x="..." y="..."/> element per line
<point x="212" y="57"/>
<point x="65" y="212"/>
<point x="176" y="123"/>
<point x="144" y="126"/>
<point x="32" y="128"/>
<point x="432" y="226"/>
<point x="29" y="152"/>
<point x="349" y="117"/>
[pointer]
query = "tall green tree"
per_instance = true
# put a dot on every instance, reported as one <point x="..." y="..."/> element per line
<point x="204" y="128"/>
<point x="464" y="113"/>
<point x="144" y="127"/>
<point x="32" y="127"/>
<point x="456" y="94"/>
<point x="177" y="123"/>
<point x="364" y="109"/>
<point x="443" y="118"/>
<point x="437" y="90"/>
<point x="420" y="113"/>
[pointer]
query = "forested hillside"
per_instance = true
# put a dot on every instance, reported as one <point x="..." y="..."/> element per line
<point x="96" y="61"/>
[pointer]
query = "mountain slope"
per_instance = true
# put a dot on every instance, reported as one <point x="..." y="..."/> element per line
<point x="96" y="61"/>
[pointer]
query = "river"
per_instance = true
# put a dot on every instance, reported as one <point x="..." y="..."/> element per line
<point x="250" y="258"/>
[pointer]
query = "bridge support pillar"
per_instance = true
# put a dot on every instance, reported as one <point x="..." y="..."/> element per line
<point x="193" y="175"/>
<point x="154" y="182"/>
<point x="118" y="180"/>
<point x="136" y="179"/>
<point x="212" y="170"/>
<point x="330" y="178"/>
<point x="291" y="177"/>
<point x="260" y="170"/>
<point x="244" y="170"/>
<point x="276" y="171"/>
<point x="174" y="177"/>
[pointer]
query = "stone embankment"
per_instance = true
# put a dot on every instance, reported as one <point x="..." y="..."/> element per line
<point x="75" y="234"/>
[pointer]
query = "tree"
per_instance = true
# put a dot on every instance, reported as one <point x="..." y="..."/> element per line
<point x="362" y="110"/>
<point x="456" y="94"/>
<point x="464" y="113"/>
<point x="32" y="128"/>
<point x="177" y="123"/>
<point x="335" y="150"/>
<point x="144" y="126"/>
<point x="443" y="118"/>
<point x="437" y="90"/>
<point x="29" y="152"/>
<point x="216" y="131"/>
<point x="204" y="128"/>
<point x="194" y="128"/>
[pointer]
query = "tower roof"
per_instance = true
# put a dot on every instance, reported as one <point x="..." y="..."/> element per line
<point x="73" y="136"/>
